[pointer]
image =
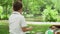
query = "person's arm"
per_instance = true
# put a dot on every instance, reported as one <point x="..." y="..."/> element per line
<point x="24" y="25"/>
<point x="26" y="29"/>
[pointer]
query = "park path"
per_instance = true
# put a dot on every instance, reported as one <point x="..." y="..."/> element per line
<point x="52" y="23"/>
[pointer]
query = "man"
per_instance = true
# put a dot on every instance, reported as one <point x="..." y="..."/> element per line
<point x="51" y="30"/>
<point x="17" y="24"/>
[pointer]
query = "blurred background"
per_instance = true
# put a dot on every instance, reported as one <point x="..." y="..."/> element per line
<point x="33" y="10"/>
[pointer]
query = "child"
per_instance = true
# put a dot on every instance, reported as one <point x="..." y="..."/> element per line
<point x="51" y="30"/>
<point x="17" y="24"/>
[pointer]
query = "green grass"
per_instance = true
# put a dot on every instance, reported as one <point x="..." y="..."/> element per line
<point x="4" y="28"/>
<point x="40" y="28"/>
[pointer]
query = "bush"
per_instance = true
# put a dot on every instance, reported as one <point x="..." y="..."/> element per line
<point x="50" y="15"/>
<point x="4" y="17"/>
<point x="1" y="10"/>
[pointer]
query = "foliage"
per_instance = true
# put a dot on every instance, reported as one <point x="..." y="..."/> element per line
<point x="50" y="15"/>
<point x="1" y="10"/>
<point x="31" y="8"/>
<point x="6" y="8"/>
<point x="56" y="4"/>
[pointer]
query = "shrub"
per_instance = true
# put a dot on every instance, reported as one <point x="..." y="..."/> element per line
<point x="50" y="15"/>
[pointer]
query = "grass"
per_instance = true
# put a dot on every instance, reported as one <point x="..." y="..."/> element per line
<point x="40" y="28"/>
<point x="4" y="28"/>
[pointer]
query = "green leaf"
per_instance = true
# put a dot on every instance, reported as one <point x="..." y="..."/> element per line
<point x="1" y="10"/>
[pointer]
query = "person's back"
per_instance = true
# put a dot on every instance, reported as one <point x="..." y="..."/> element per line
<point x="15" y="23"/>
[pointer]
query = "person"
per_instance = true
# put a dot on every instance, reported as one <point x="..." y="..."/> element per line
<point x="51" y="30"/>
<point x="57" y="31"/>
<point x="17" y="23"/>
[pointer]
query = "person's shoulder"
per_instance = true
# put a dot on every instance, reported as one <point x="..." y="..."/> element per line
<point x="19" y="16"/>
<point x="14" y="16"/>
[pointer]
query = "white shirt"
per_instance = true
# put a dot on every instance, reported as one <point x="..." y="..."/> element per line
<point x="16" y="22"/>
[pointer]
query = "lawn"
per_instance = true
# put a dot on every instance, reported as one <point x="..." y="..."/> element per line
<point x="4" y="29"/>
<point x="39" y="28"/>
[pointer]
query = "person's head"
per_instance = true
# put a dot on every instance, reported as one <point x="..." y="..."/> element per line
<point x="53" y="27"/>
<point x="17" y="6"/>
